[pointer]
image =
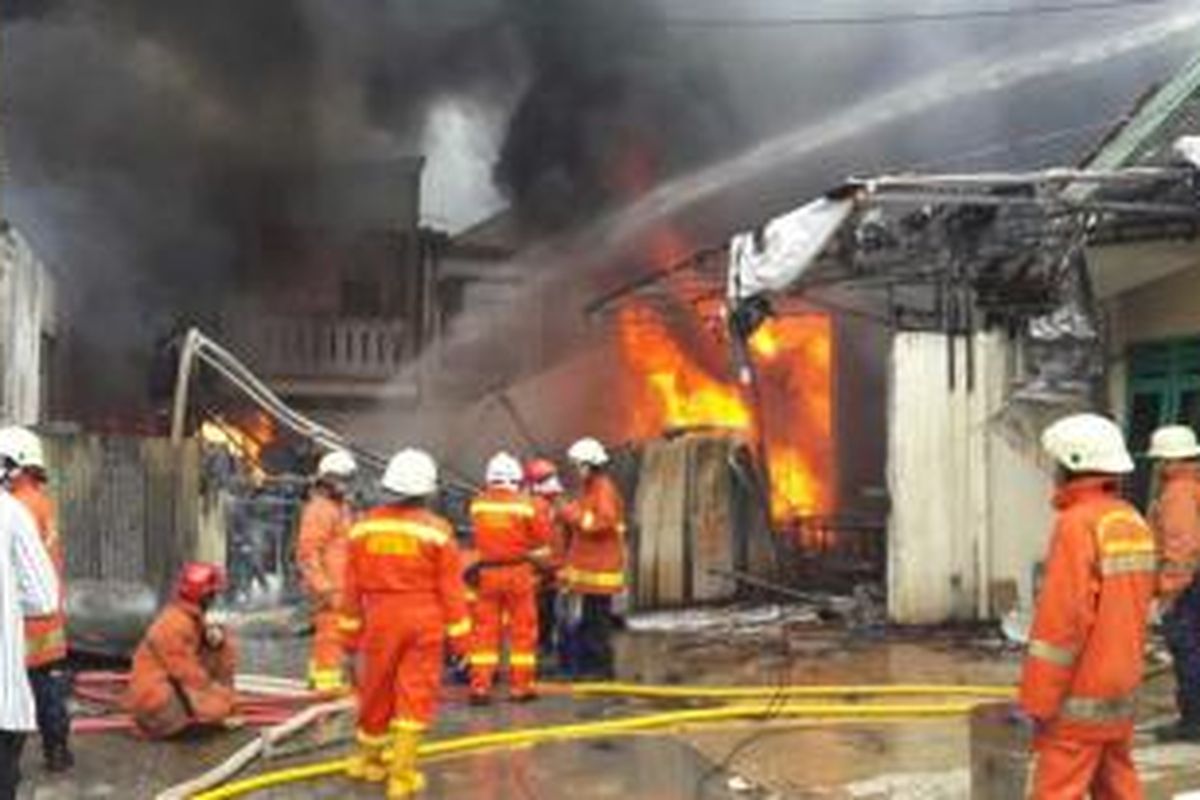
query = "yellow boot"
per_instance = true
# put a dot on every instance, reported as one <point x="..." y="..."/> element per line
<point x="327" y="681"/>
<point x="405" y="780"/>
<point x="366" y="764"/>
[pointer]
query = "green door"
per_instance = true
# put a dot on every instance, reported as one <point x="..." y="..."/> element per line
<point x="1164" y="388"/>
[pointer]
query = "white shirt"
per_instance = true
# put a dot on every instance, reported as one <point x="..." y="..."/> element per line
<point x="28" y="587"/>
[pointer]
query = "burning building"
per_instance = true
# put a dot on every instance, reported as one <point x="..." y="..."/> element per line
<point x="321" y="276"/>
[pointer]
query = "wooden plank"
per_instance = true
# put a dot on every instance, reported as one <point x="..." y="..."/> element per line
<point x="188" y="503"/>
<point x="123" y="486"/>
<point x="672" y="484"/>
<point x="755" y="546"/>
<point x="71" y="485"/>
<point x="159" y="527"/>
<point x="647" y="514"/>
<point x="711" y="515"/>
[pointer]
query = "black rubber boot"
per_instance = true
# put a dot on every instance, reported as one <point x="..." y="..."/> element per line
<point x="59" y="758"/>
<point x="1185" y="730"/>
<point x="522" y="697"/>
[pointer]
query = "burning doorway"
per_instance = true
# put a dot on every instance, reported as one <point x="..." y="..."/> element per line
<point x="677" y="379"/>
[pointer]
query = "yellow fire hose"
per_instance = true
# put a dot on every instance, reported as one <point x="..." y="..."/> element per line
<point x="639" y="724"/>
<point x="649" y="691"/>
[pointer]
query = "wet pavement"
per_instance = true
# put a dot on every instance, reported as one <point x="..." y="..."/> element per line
<point x="926" y="760"/>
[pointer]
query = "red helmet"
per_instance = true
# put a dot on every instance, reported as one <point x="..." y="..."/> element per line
<point x="199" y="581"/>
<point x="539" y="469"/>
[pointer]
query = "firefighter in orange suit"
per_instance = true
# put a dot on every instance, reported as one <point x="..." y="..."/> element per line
<point x="45" y="637"/>
<point x="1175" y="517"/>
<point x="1084" y="662"/>
<point x="595" y="562"/>
<point x="404" y="598"/>
<point x="511" y="537"/>
<point x="543" y="485"/>
<point x="321" y="556"/>
<point x="183" y="670"/>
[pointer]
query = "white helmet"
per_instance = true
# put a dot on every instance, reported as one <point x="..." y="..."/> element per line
<point x="338" y="464"/>
<point x="1174" y="442"/>
<point x="504" y="470"/>
<point x="1088" y="443"/>
<point x="411" y="473"/>
<point x="23" y="447"/>
<point x="588" y="451"/>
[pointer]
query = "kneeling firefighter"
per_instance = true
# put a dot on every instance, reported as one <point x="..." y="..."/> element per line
<point x="184" y="668"/>
<point x="404" y="598"/>
<point x="1085" y="658"/>
<point x="511" y="537"/>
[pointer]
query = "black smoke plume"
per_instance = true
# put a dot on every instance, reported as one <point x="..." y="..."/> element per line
<point x="138" y="132"/>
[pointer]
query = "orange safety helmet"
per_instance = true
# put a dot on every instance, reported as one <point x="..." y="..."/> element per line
<point x="199" y="581"/>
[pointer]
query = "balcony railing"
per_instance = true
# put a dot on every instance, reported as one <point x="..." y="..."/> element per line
<point x="302" y="348"/>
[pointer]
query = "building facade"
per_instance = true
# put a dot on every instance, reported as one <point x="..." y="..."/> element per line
<point x="340" y="288"/>
<point x="970" y="489"/>
<point x="28" y="331"/>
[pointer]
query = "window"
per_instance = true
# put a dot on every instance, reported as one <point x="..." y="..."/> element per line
<point x="1164" y="388"/>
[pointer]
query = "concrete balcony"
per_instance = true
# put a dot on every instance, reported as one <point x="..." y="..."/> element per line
<point x="327" y="358"/>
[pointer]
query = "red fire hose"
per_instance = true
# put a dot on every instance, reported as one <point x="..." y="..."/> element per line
<point x="103" y="691"/>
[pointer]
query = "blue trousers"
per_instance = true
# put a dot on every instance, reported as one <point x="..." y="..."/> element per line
<point x="586" y="637"/>
<point x="1181" y="628"/>
<point x="51" y="686"/>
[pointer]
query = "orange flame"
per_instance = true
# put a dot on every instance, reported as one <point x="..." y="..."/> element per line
<point x="675" y="392"/>
<point x="674" y="389"/>
<point x="238" y="442"/>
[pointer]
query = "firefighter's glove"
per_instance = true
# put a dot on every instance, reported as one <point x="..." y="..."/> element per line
<point x="471" y="576"/>
<point x="1029" y="725"/>
<point x="459" y="647"/>
<point x="571" y="514"/>
<point x="214" y="636"/>
<point x="1162" y="608"/>
<point x="460" y="665"/>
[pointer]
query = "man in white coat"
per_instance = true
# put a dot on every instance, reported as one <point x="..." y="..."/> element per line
<point x="28" y="588"/>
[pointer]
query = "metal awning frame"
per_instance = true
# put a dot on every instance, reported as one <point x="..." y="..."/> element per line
<point x="987" y="235"/>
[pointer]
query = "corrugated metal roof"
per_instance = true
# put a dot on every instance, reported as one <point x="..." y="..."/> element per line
<point x="1173" y="111"/>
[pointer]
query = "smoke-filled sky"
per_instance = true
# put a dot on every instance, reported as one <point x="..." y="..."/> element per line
<point x="134" y="128"/>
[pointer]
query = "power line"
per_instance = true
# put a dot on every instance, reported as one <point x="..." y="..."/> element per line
<point x="907" y="18"/>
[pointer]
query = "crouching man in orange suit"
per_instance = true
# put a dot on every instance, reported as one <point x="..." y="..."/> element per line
<point x="183" y="670"/>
